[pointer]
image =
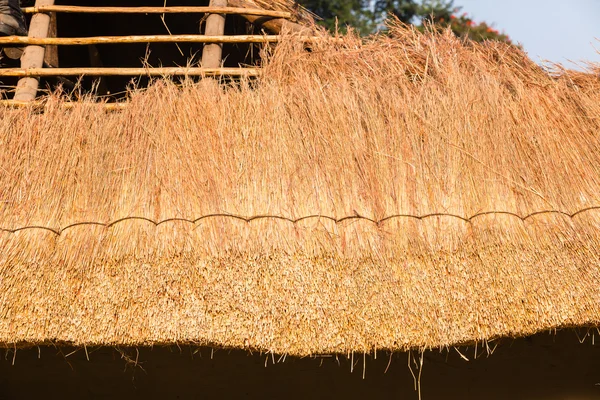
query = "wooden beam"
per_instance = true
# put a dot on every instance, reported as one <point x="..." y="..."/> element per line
<point x="159" y="10"/>
<point x="33" y="56"/>
<point x="164" y="71"/>
<point x="71" y="41"/>
<point x="212" y="53"/>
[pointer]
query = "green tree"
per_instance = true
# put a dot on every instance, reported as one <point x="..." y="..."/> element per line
<point x="339" y="14"/>
<point x="413" y="12"/>
<point x="367" y="16"/>
<point x="405" y="10"/>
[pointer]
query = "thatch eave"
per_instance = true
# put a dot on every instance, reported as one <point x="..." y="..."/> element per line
<point x="399" y="193"/>
<point x="303" y="22"/>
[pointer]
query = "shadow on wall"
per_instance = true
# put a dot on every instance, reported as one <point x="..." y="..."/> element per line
<point x="544" y="366"/>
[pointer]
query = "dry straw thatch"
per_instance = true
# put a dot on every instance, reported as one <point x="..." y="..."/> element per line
<point x="452" y="192"/>
<point x="300" y="14"/>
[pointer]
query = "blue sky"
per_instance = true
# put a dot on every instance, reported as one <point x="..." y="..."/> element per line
<point x="555" y="30"/>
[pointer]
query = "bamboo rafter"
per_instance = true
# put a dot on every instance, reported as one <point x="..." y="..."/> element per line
<point x="158" y="10"/>
<point x="163" y="71"/>
<point x="70" y="41"/>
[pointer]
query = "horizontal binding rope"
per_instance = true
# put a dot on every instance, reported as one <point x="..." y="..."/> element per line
<point x="337" y="221"/>
<point x="158" y="72"/>
<point x="140" y="39"/>
<point x="158" y="10"/>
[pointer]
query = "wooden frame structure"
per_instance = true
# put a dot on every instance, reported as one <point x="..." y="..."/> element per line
<point x="32" y="61"/>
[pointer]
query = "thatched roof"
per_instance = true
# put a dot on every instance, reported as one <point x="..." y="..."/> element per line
<point x="404" y="192"/>
<point x="292" y="6"/>
<point x="303" y="20"/>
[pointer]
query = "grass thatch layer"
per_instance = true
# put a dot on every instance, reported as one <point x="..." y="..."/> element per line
<point x="407" y="126"/>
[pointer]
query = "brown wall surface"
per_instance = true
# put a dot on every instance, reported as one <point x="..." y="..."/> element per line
<point x="544" y="366"/>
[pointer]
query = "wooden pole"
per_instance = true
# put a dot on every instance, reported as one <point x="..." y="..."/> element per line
<point x="159" y="10"/>
<point x="164" y="71"/>
<point x="33" y="56"/>
<point x="71" y="41"/>
<point x="212" y="53"/>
